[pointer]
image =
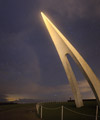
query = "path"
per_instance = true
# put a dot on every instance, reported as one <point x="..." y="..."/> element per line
<point x="19" y="113"/>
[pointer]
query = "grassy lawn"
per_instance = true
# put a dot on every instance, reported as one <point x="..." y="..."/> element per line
<point x="28" y="111"/>
<point x="88" y="109"/>
<point x="18" y="112"/>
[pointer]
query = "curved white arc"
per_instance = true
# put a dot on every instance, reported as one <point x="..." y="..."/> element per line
<point x="63" y="46"/>
<point x="62" y="49"/>
<point x="73" y="83"/>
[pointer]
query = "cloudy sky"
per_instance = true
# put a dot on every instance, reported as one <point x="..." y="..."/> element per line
<point x="29" y="64"/>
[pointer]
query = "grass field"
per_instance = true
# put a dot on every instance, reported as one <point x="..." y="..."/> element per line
<point x="28" y="111"/>
<point x="18" y="112"/>
<point x="88" y="109"/>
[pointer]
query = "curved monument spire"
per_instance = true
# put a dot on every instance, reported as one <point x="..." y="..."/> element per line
<point x="64" y="47"/>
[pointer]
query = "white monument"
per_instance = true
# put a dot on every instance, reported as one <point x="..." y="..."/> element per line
<point x="64" y="47"/>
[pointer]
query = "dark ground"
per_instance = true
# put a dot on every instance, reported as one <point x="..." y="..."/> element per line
<point x="89" y="108"/>
<point x="18" y="112"/>
<point x="28" y="111"/>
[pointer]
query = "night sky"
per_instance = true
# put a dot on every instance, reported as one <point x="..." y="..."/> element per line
<point x="30" y="67"/>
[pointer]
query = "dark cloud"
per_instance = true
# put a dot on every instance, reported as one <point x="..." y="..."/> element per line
<point x="29" y="63"/>
<point x="72" y="9"/>
<point x="16" y="16"/>
<point x="3" y="98"/>
<point x="16" y="69"/>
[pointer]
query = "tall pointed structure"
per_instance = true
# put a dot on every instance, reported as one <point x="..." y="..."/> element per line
<point x="64" y="47"/>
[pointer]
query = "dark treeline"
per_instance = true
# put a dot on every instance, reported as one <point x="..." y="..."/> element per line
<point x="7" y="103"/>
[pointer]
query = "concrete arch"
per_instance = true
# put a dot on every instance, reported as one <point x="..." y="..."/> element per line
<point x="63" y="47"/>
<point x="73" y="82"/>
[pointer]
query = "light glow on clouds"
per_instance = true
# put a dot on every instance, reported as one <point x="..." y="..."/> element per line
<point x="63" y="92"/>
<point x="73" y="8"/>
